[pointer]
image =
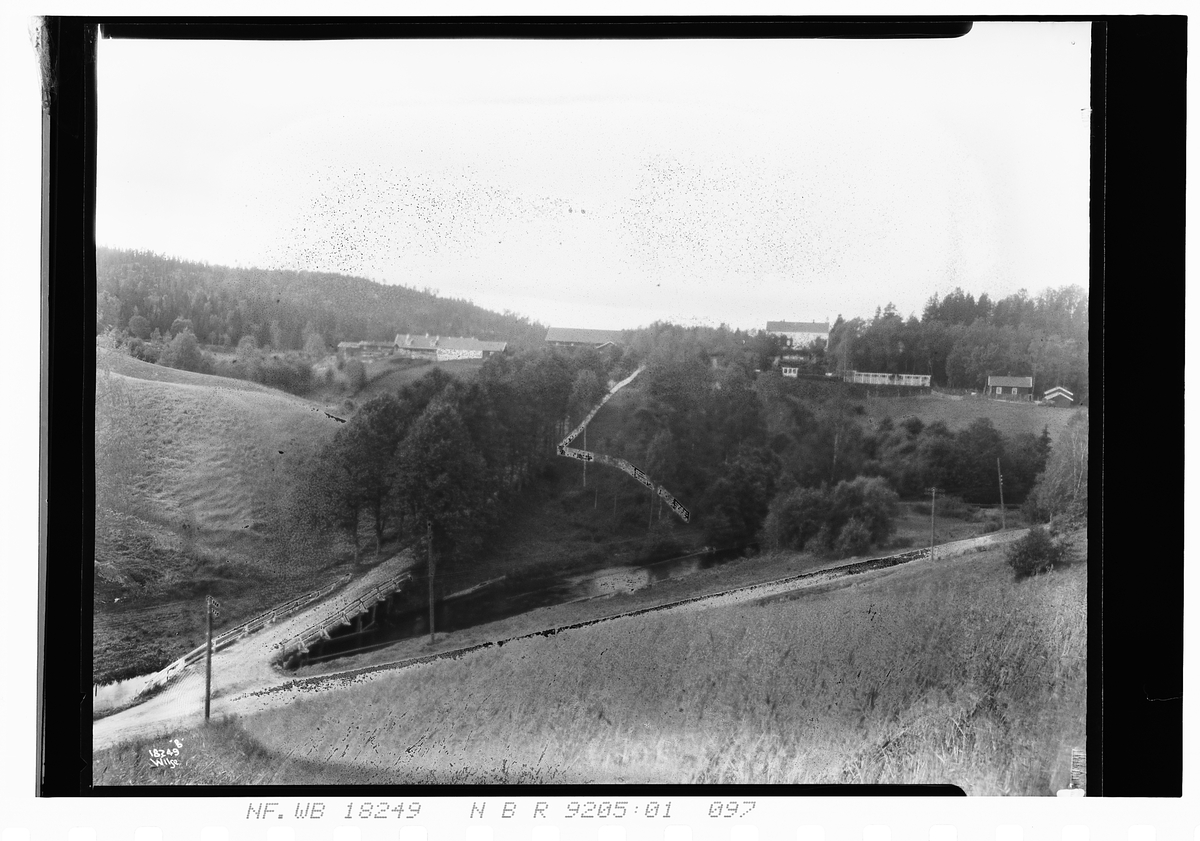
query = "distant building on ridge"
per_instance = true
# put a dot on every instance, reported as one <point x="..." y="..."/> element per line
<point x="799" y="333"/>
<point x="444" y="348"/>
<point x="583" y="337"/>
<point x="365" y="350"/>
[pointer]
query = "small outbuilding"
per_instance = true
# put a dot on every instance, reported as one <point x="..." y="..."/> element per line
<point x="1010" y="388"/>
<point x="1059" y="396"/>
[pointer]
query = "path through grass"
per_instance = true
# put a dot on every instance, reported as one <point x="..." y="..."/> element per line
<point x="946" y="672"/>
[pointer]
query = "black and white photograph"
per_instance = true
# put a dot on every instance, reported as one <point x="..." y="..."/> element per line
<point x="593" y="411"/>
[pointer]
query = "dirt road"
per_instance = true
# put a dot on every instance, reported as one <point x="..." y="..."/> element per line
<point x="245" y="681"/>
<point x="245" y="665"/>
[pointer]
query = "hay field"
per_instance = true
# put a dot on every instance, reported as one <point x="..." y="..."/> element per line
<point x="1009" y="417"/>
<point x="935" y="672"/>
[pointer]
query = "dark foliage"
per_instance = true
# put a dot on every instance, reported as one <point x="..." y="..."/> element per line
<point x="845" y="519"/>
<point x="1035" y="553"/>
<point x="961" y="340"/>
<point x="141" y="291"/>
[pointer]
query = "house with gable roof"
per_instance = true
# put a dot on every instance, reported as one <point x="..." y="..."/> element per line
<point x="800" y="333"/>
<point x="444" y="348"/>
<point x="1010" y="388"/>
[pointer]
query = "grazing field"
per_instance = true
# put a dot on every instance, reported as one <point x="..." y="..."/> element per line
<point x="189" y="467"/>
<point x="933" y="672"/>
<point x="1010" y="418"/>
<point x="387" y="376"/>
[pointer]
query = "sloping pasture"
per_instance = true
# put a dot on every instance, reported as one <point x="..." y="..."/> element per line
<point x="938" y="672"/>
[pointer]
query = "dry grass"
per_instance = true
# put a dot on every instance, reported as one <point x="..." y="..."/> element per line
<point x="946" y="672"/>
<point x="205" y="458"/>
<point x="1009" y="417"/>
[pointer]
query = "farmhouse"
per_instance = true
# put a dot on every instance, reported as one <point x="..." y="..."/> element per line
<point x="1010" y="388"/>
<point x="444" y="348"/>
<point x="799" y="333"/>
<point x="583" y="337"/>
<point x="364" y="349"/>
<point x="1059" y="396"/>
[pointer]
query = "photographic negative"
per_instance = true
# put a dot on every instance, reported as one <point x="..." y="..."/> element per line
<point x="593" y="411"/>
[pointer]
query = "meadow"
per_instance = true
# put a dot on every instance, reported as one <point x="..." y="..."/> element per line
<point x="189" y="469"/>
<point x="960" y="411"/>
<point x="935" y="672"/>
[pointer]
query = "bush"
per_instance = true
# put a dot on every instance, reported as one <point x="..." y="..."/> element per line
<point x="953" y="506"/>
<point x="854" y="539"/>
<point x="184" y="353"/>
<point x="291" y="373"/>
<point x="814" y="518"/>
<point x="356" y="373"/>
<point x="795" y="518"/>
<point x="1035" y="553"/>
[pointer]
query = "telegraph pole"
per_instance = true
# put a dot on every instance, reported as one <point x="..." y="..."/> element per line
<point x="585" y="463"/>
<point x="429" y="547"/>
<point x="1003" y="521"/>
<point x="932" y="519"/>
<point x="212" y="606"/>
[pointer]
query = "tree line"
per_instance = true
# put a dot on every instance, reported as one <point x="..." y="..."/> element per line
<point x="144" y="294"/>
<point x="960" y="340"/>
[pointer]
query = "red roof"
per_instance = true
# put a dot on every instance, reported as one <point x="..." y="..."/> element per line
<point x="1010" y="382"/>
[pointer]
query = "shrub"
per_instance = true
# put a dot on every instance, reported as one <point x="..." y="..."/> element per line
<point x="814" y="518"/>
<point x="795" y="518"/>
<point x="868" y="500"/>
<point x="853" y="539"/>
<point x="291" y="373"/>
<point x="356" y="373"/>
<point x="184" y="353"/>
<point x="953" y="506"/>
<point x="1035" y="553"/>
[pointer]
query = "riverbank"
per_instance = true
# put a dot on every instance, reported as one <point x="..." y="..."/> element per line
<point x="931" y="671"/>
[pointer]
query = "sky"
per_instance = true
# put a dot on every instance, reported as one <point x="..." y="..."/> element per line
<point x="611" y="184"/>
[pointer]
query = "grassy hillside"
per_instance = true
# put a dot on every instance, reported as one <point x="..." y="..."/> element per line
<point x="189" y="467"/>
<point x="956" y="412"/>
<point x="935" y="672"/>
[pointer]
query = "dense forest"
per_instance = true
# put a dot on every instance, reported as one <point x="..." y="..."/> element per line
<point x="143" y="293"/>
<point x="961" y="340"/>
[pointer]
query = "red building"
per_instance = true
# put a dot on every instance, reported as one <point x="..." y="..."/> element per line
<point x="1010" y="388"/>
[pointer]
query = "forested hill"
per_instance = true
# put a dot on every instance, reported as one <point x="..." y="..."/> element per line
<point x="282" y="308"/>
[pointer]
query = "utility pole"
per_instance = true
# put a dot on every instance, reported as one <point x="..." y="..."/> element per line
<point x="429" y="547"/>
<point x="932" y="519"/>
<point x="212" y="606"/>
<point x="585" y="463"/>
<point x="1003" y="520"/>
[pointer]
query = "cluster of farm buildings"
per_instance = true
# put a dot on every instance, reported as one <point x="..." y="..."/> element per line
<point x="800" y="335"/>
